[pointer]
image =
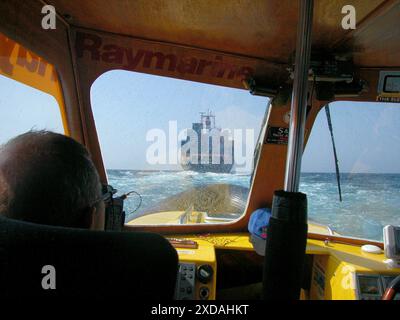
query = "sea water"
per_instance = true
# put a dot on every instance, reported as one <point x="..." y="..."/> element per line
<point x="370" y="201"/>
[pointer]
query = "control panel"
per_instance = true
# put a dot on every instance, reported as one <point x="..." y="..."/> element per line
<point x="372" y="286"/>
<point x="193" y="282"/>
<point x="185" y="282"/>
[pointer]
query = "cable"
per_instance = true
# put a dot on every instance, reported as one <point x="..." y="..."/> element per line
<point x="126" y="195"/>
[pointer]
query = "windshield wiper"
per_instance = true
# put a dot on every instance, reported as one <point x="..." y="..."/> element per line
<point x="328" y="117"/>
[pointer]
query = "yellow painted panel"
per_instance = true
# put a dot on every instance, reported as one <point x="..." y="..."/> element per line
<point x="24" y="66"/>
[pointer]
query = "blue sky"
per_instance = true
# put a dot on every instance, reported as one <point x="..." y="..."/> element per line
<point x="367" y="138"/>
<point x="127" y="105"/>
<point x="148" y="102"/>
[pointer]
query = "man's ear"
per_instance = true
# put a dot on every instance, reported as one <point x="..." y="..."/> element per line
<point x="92" y="217"/>
<point x="96" y="219"/>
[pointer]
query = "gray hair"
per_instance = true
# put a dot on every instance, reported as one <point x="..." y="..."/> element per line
<point x="47" y="178"/>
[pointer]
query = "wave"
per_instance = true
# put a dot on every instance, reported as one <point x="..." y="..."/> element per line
<point x="369" y="200"/>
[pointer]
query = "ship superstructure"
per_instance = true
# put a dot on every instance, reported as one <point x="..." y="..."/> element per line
<point x="207" y="148"/>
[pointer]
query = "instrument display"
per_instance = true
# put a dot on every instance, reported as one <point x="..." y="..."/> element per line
<point x="369" y="287"/>
<point x="372" y="287"/>
<point x="391" y="239"/>
<point x="397" y="240"/>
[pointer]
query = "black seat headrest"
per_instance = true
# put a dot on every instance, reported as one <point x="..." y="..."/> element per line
<point x="86" y="263"/>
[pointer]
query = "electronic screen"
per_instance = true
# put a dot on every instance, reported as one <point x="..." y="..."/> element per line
<point x="391" y="238"/>
<point x="369" y="285"/>
<point x="397" y="240"/>
<point x="392" y="84"/>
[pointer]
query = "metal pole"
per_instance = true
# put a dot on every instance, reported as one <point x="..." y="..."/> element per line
<point x="299" y="97"/>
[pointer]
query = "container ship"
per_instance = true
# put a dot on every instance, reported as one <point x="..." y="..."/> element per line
<point x="213" y="158"/>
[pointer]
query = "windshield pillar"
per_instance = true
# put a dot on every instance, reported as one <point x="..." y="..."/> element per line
<point x="299" y="97"/>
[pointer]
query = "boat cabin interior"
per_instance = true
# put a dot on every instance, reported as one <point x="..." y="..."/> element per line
<point x="294" y="57"/>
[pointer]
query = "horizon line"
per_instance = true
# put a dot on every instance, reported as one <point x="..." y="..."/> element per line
<point x="316" y="172"/>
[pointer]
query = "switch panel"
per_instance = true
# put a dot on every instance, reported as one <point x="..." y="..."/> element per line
<point x="185" y="282"/>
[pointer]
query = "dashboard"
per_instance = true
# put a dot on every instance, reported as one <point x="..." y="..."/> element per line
<point x="216" y="266"/>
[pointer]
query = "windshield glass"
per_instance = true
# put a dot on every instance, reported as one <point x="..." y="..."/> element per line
<point x="25" y="108"/>
<point x="185" y="148"/>
<point x="367" y="139"/>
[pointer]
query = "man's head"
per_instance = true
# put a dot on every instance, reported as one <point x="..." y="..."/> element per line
<point x="48" y="178"/>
